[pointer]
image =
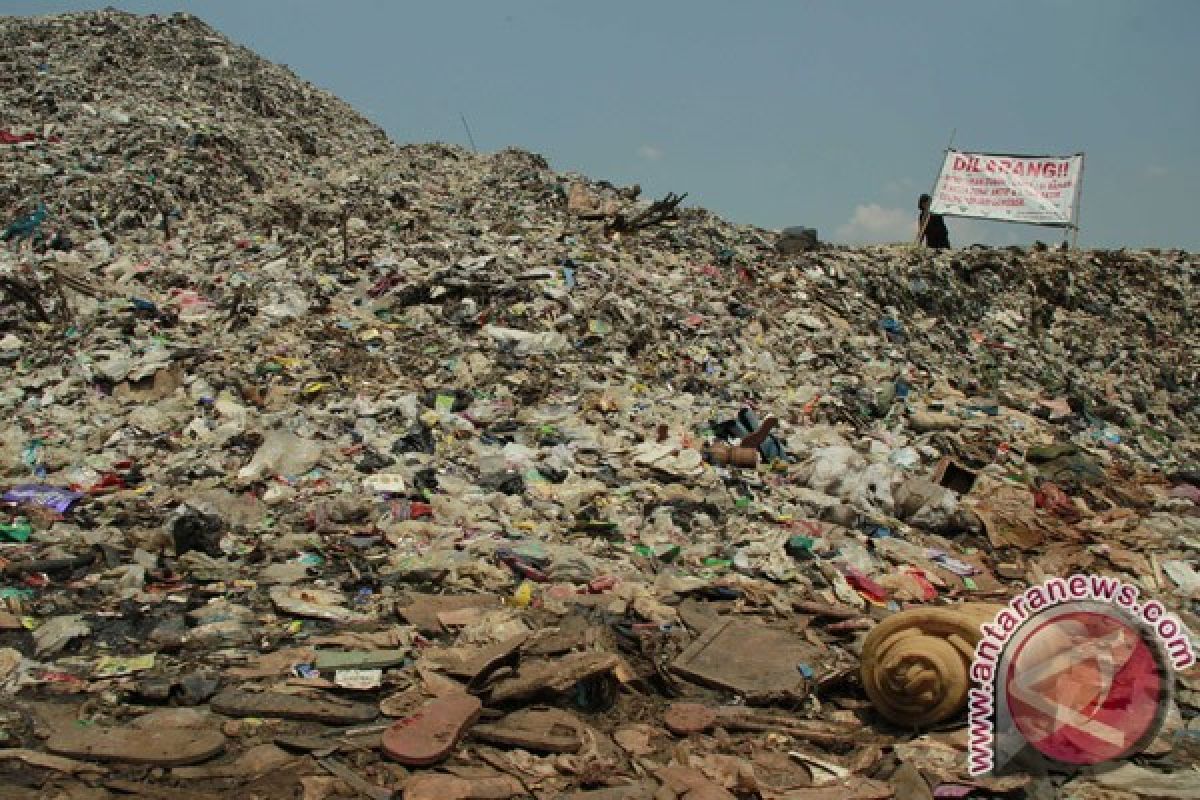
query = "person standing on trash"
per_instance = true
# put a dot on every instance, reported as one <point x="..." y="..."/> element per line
<point x="931" y="228"/>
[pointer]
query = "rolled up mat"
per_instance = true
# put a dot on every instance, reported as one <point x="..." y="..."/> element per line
<point x="916" y="663"/>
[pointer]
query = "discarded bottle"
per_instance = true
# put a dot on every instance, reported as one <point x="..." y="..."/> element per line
<point x="732" y="455"/>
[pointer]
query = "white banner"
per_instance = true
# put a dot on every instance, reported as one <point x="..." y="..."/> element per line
<point x="1041" y="190"/>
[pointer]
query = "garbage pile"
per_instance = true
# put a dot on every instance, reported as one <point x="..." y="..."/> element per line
<point x="331" y="468"/>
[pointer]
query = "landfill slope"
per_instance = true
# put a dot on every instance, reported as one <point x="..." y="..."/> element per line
<point x="163" y="114"/>
<point x="304" y="431"/>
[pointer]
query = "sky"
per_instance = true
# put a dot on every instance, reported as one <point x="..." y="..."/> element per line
<point x="831" y="115"/>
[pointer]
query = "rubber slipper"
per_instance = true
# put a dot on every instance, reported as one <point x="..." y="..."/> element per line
<point x="429" y="735"/>
<point x="233" y="703"/>
<point x="683" y="719"/>
<point x="540" y="730"/>
<point x="168" y="747"/>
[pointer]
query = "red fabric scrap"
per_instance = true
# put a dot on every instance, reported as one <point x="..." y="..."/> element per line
<point x="8" y="137"/>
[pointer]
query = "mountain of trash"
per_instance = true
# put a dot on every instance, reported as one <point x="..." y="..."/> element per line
<point x="332" y="467"/>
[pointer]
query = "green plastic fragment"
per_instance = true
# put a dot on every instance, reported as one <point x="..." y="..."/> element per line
<point x="799" y="546"/>
<point x="668" y="554"/>
<point x="17" y="531"/>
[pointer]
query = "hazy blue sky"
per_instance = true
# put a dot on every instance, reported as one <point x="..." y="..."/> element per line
<point x="827" y="114"/>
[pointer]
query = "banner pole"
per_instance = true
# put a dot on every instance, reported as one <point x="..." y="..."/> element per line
<point x="1078" y="201"/>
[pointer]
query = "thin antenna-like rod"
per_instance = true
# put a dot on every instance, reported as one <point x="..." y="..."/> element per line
<point x="467" y="127"/>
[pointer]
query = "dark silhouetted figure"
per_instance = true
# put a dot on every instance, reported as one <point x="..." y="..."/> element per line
<point x="931" y="228"/>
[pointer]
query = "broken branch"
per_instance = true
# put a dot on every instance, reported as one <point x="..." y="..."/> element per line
<point x="657" y="212"/>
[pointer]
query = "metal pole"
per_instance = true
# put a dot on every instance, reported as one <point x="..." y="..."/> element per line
<point x="470" y="138"/>
<point x="1078" y="201"/>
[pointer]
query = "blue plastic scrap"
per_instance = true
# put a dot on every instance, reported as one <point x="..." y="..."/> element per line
<point x="25" y="227"/>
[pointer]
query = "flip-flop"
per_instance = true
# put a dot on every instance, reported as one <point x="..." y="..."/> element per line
<point x="541" y="730"/>
<point x="429" y="735"/>
<point x="234" y="703"/>
<point x="167" y="747"/>
<point x="438" y="786"/>
<point x="683" y="719"/>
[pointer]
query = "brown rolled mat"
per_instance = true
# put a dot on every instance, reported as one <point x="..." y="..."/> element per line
<point x="916" y="663"/>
